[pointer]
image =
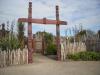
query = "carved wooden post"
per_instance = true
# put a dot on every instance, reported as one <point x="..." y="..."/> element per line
<point x="30" y="49"/>
<point x="58" y="34"/>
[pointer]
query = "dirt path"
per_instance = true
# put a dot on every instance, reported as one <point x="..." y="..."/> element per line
<point x="45" y="66"/>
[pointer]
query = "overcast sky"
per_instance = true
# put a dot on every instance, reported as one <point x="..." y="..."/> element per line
<point x="75" y="12"/>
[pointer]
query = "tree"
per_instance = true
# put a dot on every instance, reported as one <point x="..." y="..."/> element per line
<point x="4" y="44"/>
<point x="50" y="46"/>
<point x="48" y="37"/>
<point x="99" y="34"/>
<point x="21" y="35"/>
<point x="9" y="41"/>
<point x="80" y="35"/>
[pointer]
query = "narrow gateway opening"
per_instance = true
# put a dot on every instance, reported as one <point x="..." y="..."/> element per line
<point x="45" y="43"/>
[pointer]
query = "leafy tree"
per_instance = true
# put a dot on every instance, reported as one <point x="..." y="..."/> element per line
<point x="50" y="46"/>
<point x="51" y="49"/>
<point x="13" y="43"/>
<point x="9" y="41"/>
<point x="4" y="44"/>
<point x="80" y="35"/>
<point x="48" y="37"/>
<point x="21" y="35"/>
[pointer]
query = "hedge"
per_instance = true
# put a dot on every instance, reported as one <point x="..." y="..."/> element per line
<point x="85" y="56"/>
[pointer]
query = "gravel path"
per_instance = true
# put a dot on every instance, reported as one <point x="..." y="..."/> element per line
<point x="45" y="66"/>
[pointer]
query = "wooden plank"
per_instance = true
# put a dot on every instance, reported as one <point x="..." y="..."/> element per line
<point x="42" y="21"/>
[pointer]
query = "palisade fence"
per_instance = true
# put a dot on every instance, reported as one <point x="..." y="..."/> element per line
<point x="76" y="47"/>
<point x="89" y="45"/>
<point x="13" y="57"/>
<point x="93" y="45"/>
<point x="71" y="48"/>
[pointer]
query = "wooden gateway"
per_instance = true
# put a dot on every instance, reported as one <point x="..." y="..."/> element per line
<point x="31" y="20"/>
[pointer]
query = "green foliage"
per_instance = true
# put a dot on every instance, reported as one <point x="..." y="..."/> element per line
<point x="21" y="35"/>
<point x="48" y="37"/>
<point x="8" y="43"/>
<point x="4" y="44"/>
<point x="86" y="56"/>
<point x="81" y="33"/>
<point x="51" y="49"/>
<point x="13" y="43"/>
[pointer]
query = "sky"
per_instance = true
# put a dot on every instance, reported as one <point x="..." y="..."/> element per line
<point x="75" y="12"/>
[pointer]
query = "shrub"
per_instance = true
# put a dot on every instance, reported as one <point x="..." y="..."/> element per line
<point x="4" y="44"/>
<point x="8" y="43"/>
<point x="91" y="56"/>
<point x="21" y="35"/>
<point x="51" y="49"/>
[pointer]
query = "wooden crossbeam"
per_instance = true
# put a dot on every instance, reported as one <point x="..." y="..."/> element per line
<point x="42" y="21"/>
